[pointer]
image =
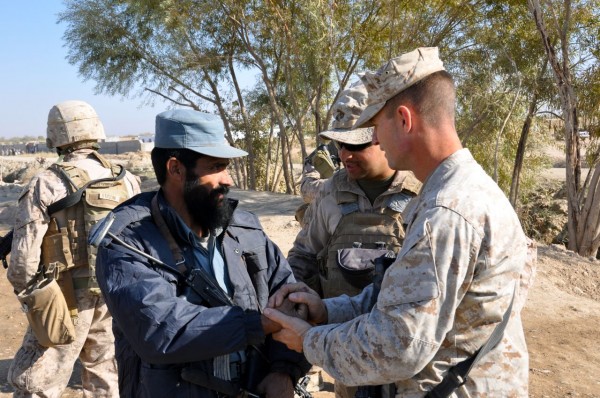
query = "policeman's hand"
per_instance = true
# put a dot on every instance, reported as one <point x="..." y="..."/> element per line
<point x="300" y="293"/>
<point x="268" y="325"/>
<point x="292" y="309"/>
<point x="276" y="385"/>
<point x="292" y="329"/>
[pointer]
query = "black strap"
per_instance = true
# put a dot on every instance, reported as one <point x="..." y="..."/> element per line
<point x="164" y="230"/>
<point x="198" y="279"/>
<point x="458" y="374"/>
<point x="74" y="198"/>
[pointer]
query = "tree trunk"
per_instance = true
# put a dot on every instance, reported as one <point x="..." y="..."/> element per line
<point x="569" y="108"/>
<point x="248" y="133"/>
<point x="520" y="156"/>
<point x="512" y="108"/>
<point x="588" y="234"/>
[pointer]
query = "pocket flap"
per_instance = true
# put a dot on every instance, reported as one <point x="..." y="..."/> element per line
<point x="358" y="260"/>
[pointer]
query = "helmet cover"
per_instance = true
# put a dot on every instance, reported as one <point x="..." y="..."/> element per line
<point x="72" y="121"/>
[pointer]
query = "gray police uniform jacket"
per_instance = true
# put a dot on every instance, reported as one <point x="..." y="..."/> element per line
<point x="158" y="332"/>
<point x="462" y="259"/>
<point x="324" y="216"/>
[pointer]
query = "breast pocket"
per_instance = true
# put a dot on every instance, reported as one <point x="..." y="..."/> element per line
<point x="257" y="268"/>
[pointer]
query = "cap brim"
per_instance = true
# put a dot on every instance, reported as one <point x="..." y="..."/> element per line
<point x="351" y="136"/>
<point x="365" y="119"/>
<point x="221" y="151"/>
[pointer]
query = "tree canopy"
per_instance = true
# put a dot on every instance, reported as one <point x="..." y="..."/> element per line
<point x="519" y="67"/>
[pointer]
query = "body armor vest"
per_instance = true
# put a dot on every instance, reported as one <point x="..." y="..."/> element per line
<point x="359" y="238"/>
<point x="65" y="245"/>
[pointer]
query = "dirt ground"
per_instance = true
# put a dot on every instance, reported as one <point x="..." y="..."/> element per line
<point x="561" y="317"/>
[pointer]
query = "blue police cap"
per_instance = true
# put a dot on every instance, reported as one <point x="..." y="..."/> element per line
<point x="198" y="131"/>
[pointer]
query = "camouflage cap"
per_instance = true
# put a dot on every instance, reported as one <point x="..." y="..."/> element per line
<point x="346" y="111"/>
<point x="396" y="76"/>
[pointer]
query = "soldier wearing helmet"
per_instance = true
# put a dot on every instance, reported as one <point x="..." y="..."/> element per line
<point x="55" y="212"/>
<point x="73" y="125"/>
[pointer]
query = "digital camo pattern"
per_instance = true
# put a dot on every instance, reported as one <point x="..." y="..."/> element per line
<point x="31" y="221"/>
<point x="454" y="278"/>
<point x="37" y="368"/>
<point x="346" y="110"/>
<point x="311" y="183"/>
<point x="324" y="215"/>
<point x="45" y="372"/>
<point x="72" y="121"/>
<point x="396" y="76"/>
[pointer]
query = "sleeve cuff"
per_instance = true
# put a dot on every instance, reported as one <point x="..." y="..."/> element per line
<point x="254" y="329"/>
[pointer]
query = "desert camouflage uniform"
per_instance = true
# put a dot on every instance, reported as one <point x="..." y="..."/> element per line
<point x="326" y="214"/>
<point x="311" y="183"/>
<point x="41" y="371"/>
<point x="462" y="258"/>
<point x="316" y="235"/>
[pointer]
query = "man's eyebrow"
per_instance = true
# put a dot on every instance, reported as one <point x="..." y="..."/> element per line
<point x="220" y="162"/>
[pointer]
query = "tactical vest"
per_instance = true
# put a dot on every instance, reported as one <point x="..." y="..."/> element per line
<point x="65" y="246"/>
<point x="358" y="239"/>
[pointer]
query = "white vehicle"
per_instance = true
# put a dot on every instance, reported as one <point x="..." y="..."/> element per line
<point x="584" y="134"/>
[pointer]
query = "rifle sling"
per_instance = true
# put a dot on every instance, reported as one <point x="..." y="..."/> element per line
<point x="74" y="197"/>
<point x="458" y="374"/>
<point x="211" y="292"/>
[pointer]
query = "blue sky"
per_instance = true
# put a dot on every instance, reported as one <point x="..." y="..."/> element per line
<point x="35" y="75"/>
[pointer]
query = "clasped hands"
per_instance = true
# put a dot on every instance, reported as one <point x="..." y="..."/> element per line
<point x="291" y="311"/>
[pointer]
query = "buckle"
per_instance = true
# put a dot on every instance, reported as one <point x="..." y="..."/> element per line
<point x="457" y="379"/>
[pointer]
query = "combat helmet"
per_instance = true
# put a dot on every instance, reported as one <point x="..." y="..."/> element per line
<point x="70" y="122"/>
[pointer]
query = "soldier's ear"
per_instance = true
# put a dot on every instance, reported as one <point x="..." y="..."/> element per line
<point x="405" y="115"/>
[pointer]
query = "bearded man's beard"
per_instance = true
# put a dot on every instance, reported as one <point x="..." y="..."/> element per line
<point x="205" y="206"/>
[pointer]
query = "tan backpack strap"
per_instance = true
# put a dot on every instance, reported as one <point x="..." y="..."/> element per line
<point x="164" y="230"/>
<point x="102" y="160"/>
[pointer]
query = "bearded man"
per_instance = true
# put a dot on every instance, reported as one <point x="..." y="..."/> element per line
<point x="185" y="276"/>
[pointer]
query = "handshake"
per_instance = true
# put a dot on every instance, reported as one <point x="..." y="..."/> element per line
<point x="291" y="311"/>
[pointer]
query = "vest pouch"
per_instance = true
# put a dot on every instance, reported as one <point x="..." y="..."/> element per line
<point x="357" y="265"/>
<point x="56" y="247"/>
<point x="99" y="200"/>
<point x="323" y="164"/>
<point x="47" y="313"/>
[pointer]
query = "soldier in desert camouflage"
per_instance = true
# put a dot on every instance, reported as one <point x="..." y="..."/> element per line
<point x="356" y="215"/>
<point x="74" y="129"/>
<point x="462" y="260"/>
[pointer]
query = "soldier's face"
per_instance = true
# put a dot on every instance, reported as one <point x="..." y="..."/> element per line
<point x="364" y="162"/>
<point x="388" y="132"/>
